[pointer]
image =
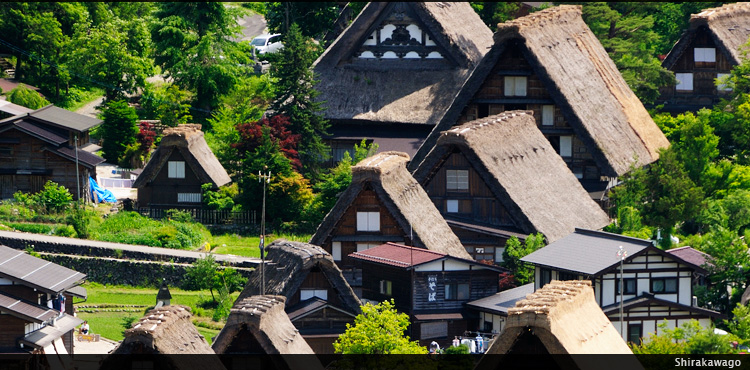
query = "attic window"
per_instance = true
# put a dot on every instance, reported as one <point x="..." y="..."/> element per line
<point x="457" y="179"/>
<point x="566" y="146"/>
<point x="188" y="197"/>
<point x="515" y="85"/>
<point x="305" y="294"/>
<point x="684" y="81"/>
<point x="451" y="206"/>
<point x="704" y="57"/>
<point x="548" y="115"/>
<point x="176" y="169"/>
<point x="368" y="221"/>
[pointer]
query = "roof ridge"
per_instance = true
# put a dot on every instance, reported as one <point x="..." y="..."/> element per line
<point x="720" y="11"/>
<point x="486" y="121"/>
<point x="540" y="16"/>
<point x="613" y="235"/>
<point x="381" y="259"/>
<point x="420" y="249"/>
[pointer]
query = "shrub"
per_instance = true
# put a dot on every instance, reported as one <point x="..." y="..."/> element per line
<point x="53" y="197"/>
<point x="32" y="228"/>
<point x="81" y="221"/>
<point x="65" y="230"/>
<point x="179" y="215"/>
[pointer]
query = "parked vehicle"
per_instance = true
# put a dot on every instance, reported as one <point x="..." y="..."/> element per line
<point x="267" y="43"/>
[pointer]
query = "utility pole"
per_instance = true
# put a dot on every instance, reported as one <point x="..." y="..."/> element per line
<point x="622" y="253"/>
<point x="264" y="178"/>
<point x="78" y="176"/>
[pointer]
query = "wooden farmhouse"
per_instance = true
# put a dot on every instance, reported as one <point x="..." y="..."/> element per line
<point x="550" y="62"/>
<point x="498" y="177"/>
<point x="658" y="285"/>
<point x="319" y="301"/>
<point x="44" y="145"/>
<point x="257" y="325"/>
<point x="560" y="319"/>
<point x="493" y="310"/>
<point x="392" y="74"/>
<point x="178" y="168"/>
<point x="431" y="287"/>
<point x="710" y="47"/>
<point x="36" y="304"/>
<point x="383" y="204"/>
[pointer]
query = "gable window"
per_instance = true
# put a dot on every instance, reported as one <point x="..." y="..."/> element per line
<point x="457" y="292"/>
<point x="684" y="81"/>
<point x="566" y="146"/>
<point x="457" y="179"/>
<point x="515" y="85"/>
<point x="336" y="251"/>
<point x="664" y="285"/>
<point x="305" y="294"/>
<point x="386" y="287"/>
<point x="368" y="221"/>
<point x="545" y="276"/>
<point x="704" y="56"/>
<point x="176" y="169"/>
<point x="630" y="286"/>
<point x="548" y="115"/>
<point x="188" y="197"/>
<point x="451" y="206"/>
<point x="722" y="86"/>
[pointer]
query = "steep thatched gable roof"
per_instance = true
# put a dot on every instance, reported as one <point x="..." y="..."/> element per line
<point x="262" y="326"/>
<point x="163" y="337"/>
<point x="290" y="263"/>
<point x="582" y="80"/>
<point x="405" y="91"/>
<point x="404" y="199"/>
<point x="524" y="172"/>
<point x="564" y="316"/>
<point x="189" y="141"/>
<point x="729" y="29"/>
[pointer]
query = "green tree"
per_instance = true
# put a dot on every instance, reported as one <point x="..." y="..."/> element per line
<point x="314" y="18"/>
<point x="26" y="97"/>
<point x="207" y="274"/>
<point x="493" y="13"/>
<point x="514" y="251"/>
<point x="295" y="98"/>
<point x="167" y="103"/>
<point x="739" y="324"/>
<point x="53" y="197"/>
<point x="379" y="329"/>
<point x="119" y="129"/>
<point x="688" y="338"/>
<point x="729" y="268"/>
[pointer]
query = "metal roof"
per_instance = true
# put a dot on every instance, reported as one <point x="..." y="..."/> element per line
<point x="84" y="157"/>
<point x="501" y="302"/>
<point x="14" y="109"/>
<point x="26" y="310"/>
<point x="398" y="255"/>
<point x="40" y="132"/>
<point x="587" y="252"/>
<point x="65" y="118"/>
<point x="48" y="334"/>
<point x="35" y="272"/>
<point x="650" y="300"/>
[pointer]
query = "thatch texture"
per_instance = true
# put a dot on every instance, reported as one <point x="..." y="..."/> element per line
<point x="729" y="29"/>
<point x="165" y="330"/>
<point x="523" y="171"/>
<point x="264" y="319"/>
<point x="582" y="80"/>
<point x="403" y="198"/>
<point x="290" y="263"/>
<point x="404" y="91"/>
<point x="565" y="317"/>
<point x="189" y="141"/>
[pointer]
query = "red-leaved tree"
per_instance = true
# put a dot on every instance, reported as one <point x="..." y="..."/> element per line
<point x="251" y="134"/>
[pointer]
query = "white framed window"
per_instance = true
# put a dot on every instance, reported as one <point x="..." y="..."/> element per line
<point x="548" y="115"/>
<point x="176" y="169"/>
<point x="188" y="197"/>
<point x="515" y="85"/>
<point x="336" y="251"/>
<point x="721" y="86"/>
<point x="684" y="81"/>
<point x="368" y="221"/>
<point x="386" y="287"/>
<point x="451" y="205"/>
<point x="707" y="55"/>
<point x="305" y="294"/>
<point x="566" y="146"/>
<point x="365" y="246"/>
<point x="457" y="179"/>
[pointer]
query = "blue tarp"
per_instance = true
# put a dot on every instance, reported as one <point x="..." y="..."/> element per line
<point x="99" y="193"/>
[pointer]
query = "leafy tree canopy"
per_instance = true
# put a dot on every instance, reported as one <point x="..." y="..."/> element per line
<point x="314" y="18"/>
<point x="514" y="251"/>
<point x="26" y="97"/>
<point x="379" y="329"/>
<point x="119" y="129"/>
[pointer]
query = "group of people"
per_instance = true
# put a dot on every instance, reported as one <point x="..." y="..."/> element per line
<point x="475" y="345"/>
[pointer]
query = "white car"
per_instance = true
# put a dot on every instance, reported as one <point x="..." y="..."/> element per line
<point x="267" y="43"/>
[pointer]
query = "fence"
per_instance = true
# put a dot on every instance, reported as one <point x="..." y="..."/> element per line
<point x="107" y="182"/>
<point x="205" y="216"/>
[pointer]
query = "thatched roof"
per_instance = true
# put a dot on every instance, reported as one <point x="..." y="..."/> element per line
<point x="189" y="141"/>
<point x="403" y="198"/>
<point x="564" y="316"/>
<point x="290" y="263"/>
<point x="583" y="82"/>
<point x="405" y="91"/>
<point x="261" y="325"/>
<point x="523" y="171"/>
<point x="728" y="28"/>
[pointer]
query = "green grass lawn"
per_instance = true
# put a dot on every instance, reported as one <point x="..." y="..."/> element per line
<point x="247" y="246"/>
<point x="111" y="324"/>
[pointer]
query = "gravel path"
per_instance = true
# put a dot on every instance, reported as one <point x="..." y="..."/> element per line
<point x="90" y="108"/>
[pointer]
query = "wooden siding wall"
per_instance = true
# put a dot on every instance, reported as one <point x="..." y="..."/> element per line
<point x="316" y="280"/>
<point x="513" y="63"/>
<point x="704" y="93"/>
<point x="366" y="201"/>
<point x="163" y="190"/>
<point x="27" y="153"/>
<point x="482" y="283"/>
<point x="11" y="329"/>
<point x="23" y="292"/>
<point x="400" y="288"/>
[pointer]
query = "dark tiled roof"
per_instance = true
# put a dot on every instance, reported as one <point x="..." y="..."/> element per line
<point x="501" y="302"/>
<point x="439" y="316"/>
<point x="84" y="157"/>
<point x="398" y="255"/>
<point x="690" y="255"/>
<point x="14" y="109"/>
<point x="495" y="230"/>
<point x="65" y="118"/>
<point x="36" y="130"/>
<point x="35" y="272"/>
<point x="586" y="251"/>
<point x="25" y="310"/>
<point x="305" y="307"/>
<point x="648" y="299"/>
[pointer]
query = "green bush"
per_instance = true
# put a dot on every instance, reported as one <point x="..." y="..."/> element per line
<point x="53" y="197"/>
<point x="65" y="230"/>
<point x="82" y="220"/>
<point x="132" y="228"/>
<point x="32" y="228"/>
